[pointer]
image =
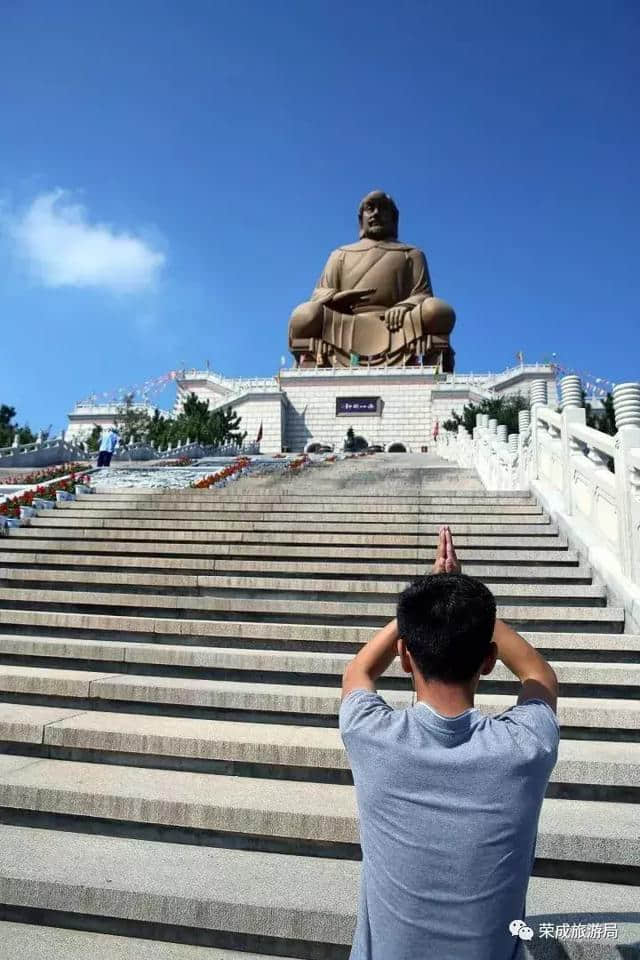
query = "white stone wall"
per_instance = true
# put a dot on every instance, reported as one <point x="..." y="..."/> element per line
<point x="266" y="409"/>
<point x="310" y="412"/>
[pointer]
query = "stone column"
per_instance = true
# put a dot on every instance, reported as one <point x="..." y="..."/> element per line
<point x="572" y="412"/>
<point x="493" y="425"/>
<point x="502" y="432"/>
<point x="513" y="442"/>
<point x="626" y="405"/>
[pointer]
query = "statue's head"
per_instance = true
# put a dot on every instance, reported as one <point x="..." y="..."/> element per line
<point x="378" y="217"/>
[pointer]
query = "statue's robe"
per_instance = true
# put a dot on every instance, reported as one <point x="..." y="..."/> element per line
<point x="400" y="276"/>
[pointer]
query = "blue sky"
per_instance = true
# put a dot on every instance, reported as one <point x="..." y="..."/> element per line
<point x="173" y="176"/>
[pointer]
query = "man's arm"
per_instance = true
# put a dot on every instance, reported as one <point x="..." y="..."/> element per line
<point x="372" y="661"/>
<point x="538" y="678"/>
<point x="380" y="652"/>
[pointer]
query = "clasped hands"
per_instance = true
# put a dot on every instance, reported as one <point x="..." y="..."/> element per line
<point x="446" y="558"/>
<point x="347" y="300"/>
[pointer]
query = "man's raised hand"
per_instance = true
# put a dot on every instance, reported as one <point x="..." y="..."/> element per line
<point x="446" y="559"/>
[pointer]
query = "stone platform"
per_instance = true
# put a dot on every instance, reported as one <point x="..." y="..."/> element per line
<point x="172" y="780"/>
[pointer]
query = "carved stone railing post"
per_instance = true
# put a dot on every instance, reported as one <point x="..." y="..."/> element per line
<point x="538" y="393"/>
<point x="502" y="432"/>
<point x="626" y="405"/>
<point x="572" y="412"/>
<point x="537" y="398"/>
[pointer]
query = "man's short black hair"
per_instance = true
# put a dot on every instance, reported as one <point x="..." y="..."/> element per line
<point x="447" y="622"/>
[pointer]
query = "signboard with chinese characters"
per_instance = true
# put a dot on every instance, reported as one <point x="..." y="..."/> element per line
<point x="358" y="406"/>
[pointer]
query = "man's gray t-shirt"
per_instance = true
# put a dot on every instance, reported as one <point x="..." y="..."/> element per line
<point x="449" y="813"/>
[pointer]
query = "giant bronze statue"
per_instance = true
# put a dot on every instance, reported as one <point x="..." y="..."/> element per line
<point x="374" y="304"/>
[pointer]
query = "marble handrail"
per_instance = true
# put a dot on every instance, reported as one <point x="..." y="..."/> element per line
<point x="594" y="439"/>
<point x="588" y="481"/>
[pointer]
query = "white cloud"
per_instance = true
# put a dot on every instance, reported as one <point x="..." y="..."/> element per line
<point x="64" y="249"/>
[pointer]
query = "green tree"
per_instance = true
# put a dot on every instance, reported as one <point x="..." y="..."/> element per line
<point x="197" y="422"/>
<point x="132" y="424"/>
<point x="503" y="409"/>
<point x="93" y="440"/>
<point x="26" y="435"/>
<point x="603" y="419"/>
<point x="229" y="426"/>
<point x="9" y="429"/>
<point x="159" y="432"/>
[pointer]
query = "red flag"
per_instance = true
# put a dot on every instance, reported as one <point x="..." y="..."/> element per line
<point x="259" y="437"/>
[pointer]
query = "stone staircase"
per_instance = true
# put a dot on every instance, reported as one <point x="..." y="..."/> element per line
<point x="172" y="780"/>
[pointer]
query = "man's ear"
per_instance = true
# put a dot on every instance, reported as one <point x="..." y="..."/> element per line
<point x="403" y="653"/>
<point x="489" y="661"/>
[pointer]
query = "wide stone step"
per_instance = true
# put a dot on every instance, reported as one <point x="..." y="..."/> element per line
<point x="288" y="636"/>
<point x="285" y="750"/>
<point x="310" y="510"/>
<point x="381" y="555"/>
<point x="26" y="941"/>
<point x="262" y="898"/>
<point x="299" y="588"/>
<point x="373" y="613"/>
<point x="471" y="534"/>
<point x="453" y="517"/>
<point x="318" y="568"/>
<point x="321" y="498"/>
<point x="305" y="703"/>
<point x="255" y="661"/>
<point x="333" y="524"/>
<point x="597" y="833"/>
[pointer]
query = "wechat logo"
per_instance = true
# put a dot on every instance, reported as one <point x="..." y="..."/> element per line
<point x="518" y="928"/>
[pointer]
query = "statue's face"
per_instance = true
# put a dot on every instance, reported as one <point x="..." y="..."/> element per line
<point x="378" y="221"/>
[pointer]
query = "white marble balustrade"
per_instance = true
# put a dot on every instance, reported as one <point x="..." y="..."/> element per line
<point x="588" y="481"/>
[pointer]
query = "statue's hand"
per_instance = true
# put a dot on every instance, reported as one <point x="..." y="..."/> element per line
<point x="394" y="318"/>
<point x="347" y="300"/>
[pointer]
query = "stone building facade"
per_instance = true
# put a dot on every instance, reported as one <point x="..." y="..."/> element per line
<point x="394" y="406"/>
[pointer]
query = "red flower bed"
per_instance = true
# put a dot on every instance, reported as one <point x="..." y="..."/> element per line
<point x="41" y="476"/>
<point x="238" y="464"/>
<point x="11" y="507"/>
<point x="299" y="463"/>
